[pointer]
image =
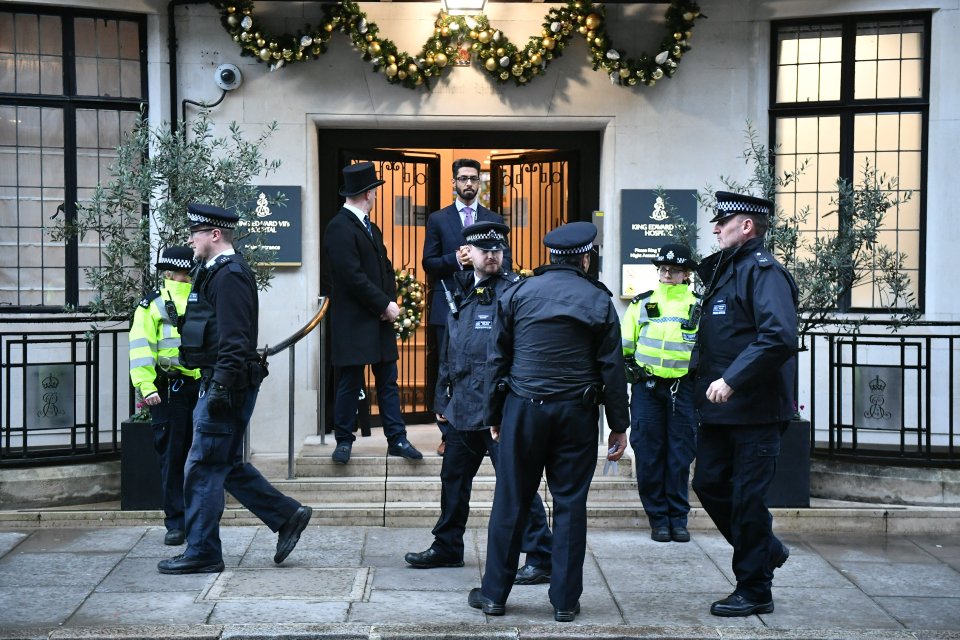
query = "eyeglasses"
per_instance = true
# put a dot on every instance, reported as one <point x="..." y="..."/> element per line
<point x="194" y="232"/>
<point x="671" y="271"/>
<point x="468" y="179"/>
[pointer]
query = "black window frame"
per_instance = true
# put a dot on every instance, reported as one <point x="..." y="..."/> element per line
<point x="847" y="108"/>
<point x="70" y="102"/>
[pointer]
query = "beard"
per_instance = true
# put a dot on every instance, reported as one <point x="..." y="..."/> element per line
<point x="467" y="193"/>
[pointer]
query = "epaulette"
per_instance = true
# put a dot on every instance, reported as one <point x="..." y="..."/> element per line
<point x="150" y="297"/>
<point x="510" y="276"/>
<point x="764" y="259"/>
<point x="642" y="296"/>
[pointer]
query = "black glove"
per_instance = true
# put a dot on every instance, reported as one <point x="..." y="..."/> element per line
<point x="218" y="400"/>
<point x="633" y="370"/>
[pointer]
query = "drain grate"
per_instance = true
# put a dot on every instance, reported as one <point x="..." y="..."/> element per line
<point x="315" y="584"/>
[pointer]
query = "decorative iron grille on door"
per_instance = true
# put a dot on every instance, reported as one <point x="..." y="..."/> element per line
<point x="411" y="191"/>
<point x="534" y="192"/>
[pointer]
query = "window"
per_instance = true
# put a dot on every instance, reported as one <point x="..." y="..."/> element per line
<point x="847" y="91"/>
<point x="71" y="84"/>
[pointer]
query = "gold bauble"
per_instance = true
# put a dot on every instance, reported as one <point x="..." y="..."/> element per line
<point x="473" y="35"/>
<point x="441" y="59"/>
<point x="545" y="32"/>
<point x="315" y="51"/>
<point x="402" y="74"/>
<point x="591" y="34"/>
<point x="549" y="43"/>
<point x="298" y="55"/>
<point x="273" y="44"/>
<point x="677" y="35"/>
<point x="391" y="58"/>
<point x="582" y="30"/>
<point x="632" y="82"/>
<point x="598" y="42"/>
<point x="536" y="59"/>
<point x="687" y="35"/>
<point x="418" y="81"/>
<point x="236" y="38"/>
<point x="374" y="48"/>
<point x="475" y="46"/>
<point x="287" y="54"/>
<point x="501" y="52"/>
<point x="676" y="52"/>
<point x="368" y="37"/>
<point x="390" y="70"/>
<point x="504" y="75"/>
<point x="412" y="69"/>
<point x="244" y="37"/>
<point x="233" y="21"/>
<point x="688" y="16"/>
<point x="275" y="55"/>
<point x="592" y="21"/>
<point x="429" y="59"/>
<point x="265" y="54"/>
<point x="436" y="31"/>
<point x="231" y="9"/>
<point x="490" y="64"/>
<point x="484" y="36"/>
<point x="624" y="73"/>
<point x="261" y="42"/>
<point x="328" y="27"/>
<point x="444" y="32"/>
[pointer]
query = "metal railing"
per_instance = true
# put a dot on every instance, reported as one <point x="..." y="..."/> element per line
<point x="884" y="397"/>
<point x="65" y="390"/>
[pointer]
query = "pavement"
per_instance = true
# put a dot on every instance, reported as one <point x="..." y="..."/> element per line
<point x="352" y="582"/>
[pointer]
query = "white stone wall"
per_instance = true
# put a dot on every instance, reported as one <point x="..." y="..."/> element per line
<point x="683" y="133"/>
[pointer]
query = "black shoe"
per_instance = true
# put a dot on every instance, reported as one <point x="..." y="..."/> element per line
<point x="660" y="534"/>
<point x="735" y="606"/>
<point x="174" y="538"/>
<point x="779" y="560"/>
<point x="404" y="449"/>
<point x="566" y="616"/>
<point x="289" y="533"/>
<point x="430" y="559"/>
<point x="479" y="601"/>
<point x="680" y="534"/>
<point x="530" y="574"/>
<point x="179" y="565"/>
<point x="342" y="453"/>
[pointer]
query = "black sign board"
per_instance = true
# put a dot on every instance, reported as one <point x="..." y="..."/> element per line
<point x="644" y="227"/>
<point x="279" y="225"/>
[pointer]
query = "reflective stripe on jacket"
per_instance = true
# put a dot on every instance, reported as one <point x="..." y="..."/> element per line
<point x="154" y="339"/>
<point x="659" y="343"/>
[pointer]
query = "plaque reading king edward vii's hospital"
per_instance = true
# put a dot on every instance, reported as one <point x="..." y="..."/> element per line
<point x="279" y="225"/>
<point x="645" y="225"/>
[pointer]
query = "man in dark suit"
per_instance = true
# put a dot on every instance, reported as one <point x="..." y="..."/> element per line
<point x="444" y="253"/>
<point x="363" y="306"/>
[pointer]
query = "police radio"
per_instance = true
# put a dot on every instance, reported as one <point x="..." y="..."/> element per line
<point x="449" y="297"/>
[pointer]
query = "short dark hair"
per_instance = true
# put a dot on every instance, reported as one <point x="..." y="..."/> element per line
<point x="459" y="163"/>
<point x="572" y="259"/>
<point x="761" y="223"/>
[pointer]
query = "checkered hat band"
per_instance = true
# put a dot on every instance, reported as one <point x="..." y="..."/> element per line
<point x="582" y="249"/>
<point x="176" y="263"/>
<point x="742" y="207"/>
<point x="196" y="218"/>
<point x="489" y="235"/>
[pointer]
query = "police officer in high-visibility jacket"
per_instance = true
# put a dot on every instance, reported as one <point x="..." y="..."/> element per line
<point x="168" y="388"/>
<point x="659" y="330"/>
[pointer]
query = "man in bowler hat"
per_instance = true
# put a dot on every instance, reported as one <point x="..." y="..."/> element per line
<point x="745" y="369"/>
<point x="556" y="356"/>
<point x="363" y="306"/>
<point x="461" y="400"/>
<point x="445" y="254"/>
<point x="219" y="336"/>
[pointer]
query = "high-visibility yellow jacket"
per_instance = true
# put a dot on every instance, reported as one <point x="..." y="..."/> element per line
<point x="653" y="330"/>
<point x="154" y="339"/>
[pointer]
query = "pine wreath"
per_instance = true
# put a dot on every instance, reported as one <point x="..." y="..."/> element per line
<point x="411" y="304"/>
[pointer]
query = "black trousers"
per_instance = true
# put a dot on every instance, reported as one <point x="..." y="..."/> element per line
<point x="463" y="457"/>
<point x="172" y="422"/>
<point x="735" y="466"/>
<point x="561" y="437"/>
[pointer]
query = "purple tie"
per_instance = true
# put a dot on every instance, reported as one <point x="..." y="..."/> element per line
<point x="467" y="216"/>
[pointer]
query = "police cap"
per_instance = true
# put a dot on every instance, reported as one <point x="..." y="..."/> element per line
<point x="490" y="236"/>
<point x="730" y="204"/>
<point x="211" y="216"/>
<point x="571" y="238"/>
<point x="675" y="254"/>
<point x="175" y="259"/>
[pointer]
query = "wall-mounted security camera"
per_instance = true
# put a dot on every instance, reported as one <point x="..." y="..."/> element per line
<point x="228" y="77"/>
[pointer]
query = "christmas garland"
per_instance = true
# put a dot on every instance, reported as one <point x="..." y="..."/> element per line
<point x="411" y="304"/>
<point x="502" y="60"/>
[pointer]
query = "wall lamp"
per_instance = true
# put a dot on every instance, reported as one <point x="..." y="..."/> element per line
<point x="462" y="7"/>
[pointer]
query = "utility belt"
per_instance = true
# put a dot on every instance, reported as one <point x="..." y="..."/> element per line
<point x="174" y="381"/>
<point x="590" y="397"/>
<point x="252" y="374"/>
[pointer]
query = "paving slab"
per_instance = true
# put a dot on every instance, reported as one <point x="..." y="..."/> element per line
<point x="146" y="608"/>
<point x="924" y="613"/>
<point x="902" y="579"/>
<point x="32" y="606"/>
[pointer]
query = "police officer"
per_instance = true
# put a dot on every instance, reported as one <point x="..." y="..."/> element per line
<point x="167" y="387"/>
<point x="219" y="336"/>
<point x="659" y="330"/>
<point x="461" y="400"/>
<point x="556" y="354"/>
<point x="745" y="363"/>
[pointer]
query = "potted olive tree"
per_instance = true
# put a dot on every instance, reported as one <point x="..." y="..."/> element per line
<point x="140" y="211"/>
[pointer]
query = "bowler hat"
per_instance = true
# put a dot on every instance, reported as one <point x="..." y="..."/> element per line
<point x="358" y="178"/>
<point x="211" y="215"/>
<point x="571" y="238"/>
<point x="490" y="236"/>
<point x="730" y="204"/>
<point x="675" y="254"/>
<point x="175" y="259"/>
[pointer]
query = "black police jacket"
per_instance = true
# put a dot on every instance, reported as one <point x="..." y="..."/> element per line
<point x="558" y="337"/>
<point x="748" y="337"/>
<point x="219" y="334"/>
<point x="464" y="366"/>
